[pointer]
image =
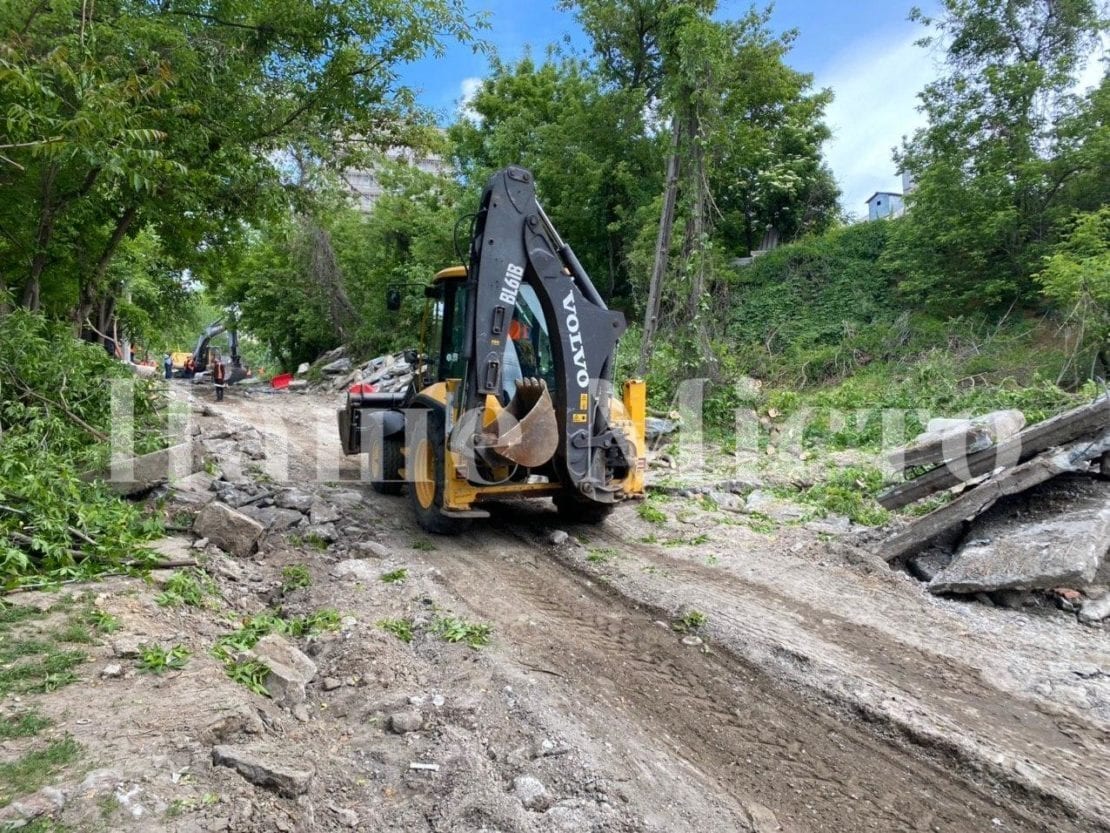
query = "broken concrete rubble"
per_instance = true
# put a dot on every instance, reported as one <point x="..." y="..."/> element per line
<point x="336" y="367"/>
<point x="228" y="529"/>
<point x="140" y="474"/>
<point x="290" y="669"/>
<point x="266" y="766"/>
<point x="274" y="518"/>
<point x="294" y="499"/>
<point x="1056" y="534"/>
<point x="1094" y="611"/>
<point x="322" y="513"/>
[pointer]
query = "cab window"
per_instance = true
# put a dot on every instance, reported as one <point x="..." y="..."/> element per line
<point x="528" y="349"/>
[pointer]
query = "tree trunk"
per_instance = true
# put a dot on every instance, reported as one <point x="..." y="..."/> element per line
<point x="32" y="289"/>
<point x="90" y="288"/>
<point x="662" y="249"/>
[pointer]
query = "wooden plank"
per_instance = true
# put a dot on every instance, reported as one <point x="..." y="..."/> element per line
<point x="1086" y="420"/>
<point x="971" y="503"/>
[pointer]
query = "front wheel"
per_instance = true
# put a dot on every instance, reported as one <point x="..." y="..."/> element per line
<point x="578" y="510"/>
<point x="425" y="468"/>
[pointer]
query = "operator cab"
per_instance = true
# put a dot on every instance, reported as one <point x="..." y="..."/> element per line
<point x="528" y="353"/>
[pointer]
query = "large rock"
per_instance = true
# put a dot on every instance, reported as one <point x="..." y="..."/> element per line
<point x="274" y="518"/>
<point x="140" y="474"/>
<point x="229" y="530"/>
<point x="294" y="499"/>
<point x="276" y="648"/>
<point x="356" y="570"/>
<point x="1095" y="610"/>
<point x="322" y="513"/>
<point x="1056" y="534"/>
<point x="338" y="366"/>
<point x="290" y="669"/>
<point x="266" y="766"/>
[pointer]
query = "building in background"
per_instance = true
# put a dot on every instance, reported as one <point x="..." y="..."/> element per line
<point x="366" y="186"/>
<point x="884" y="204"/>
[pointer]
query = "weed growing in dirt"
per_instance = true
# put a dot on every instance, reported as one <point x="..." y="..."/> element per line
<point x="695" y="541"/>
<point x="251" y="673"/>
<point x="758" y="522"/>
<point x="103" y="621"/>
<point x="315" y="541"/>
<point x="186" y="587"/>
<point x="423" y="544"/>
<point x="599" y="555"/>
<point x="850" y="491"/>
<point x="74" y="631"/>
<point x="157" y="660"/>
<point x="22" y="725"/>
<point x="34" y="769"/>
<point x="400" y="628"/>
<point x="453" y="629"/>
<point x="258" y="626"/>
<point x="48" y="672"/>
<point x="294" y="577"/>
<point x="691" y="622"/>
<point x="45" y="825"/>
<point x="395" y="576"/>
<point x="31" y="663"/>
<point x="651" y="513"/>
<point x="180" y="806"/>
<point x="14" y="614"/>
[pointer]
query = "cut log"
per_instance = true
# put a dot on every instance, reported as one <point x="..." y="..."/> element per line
<point x="1085" y="421"/>
<point x="1007" y="482"/>
<point x="954" y="439"/>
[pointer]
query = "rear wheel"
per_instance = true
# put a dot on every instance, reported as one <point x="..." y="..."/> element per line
<point x="386" y="462"/>
<point x="425" y="467"/>
<point x="578" y="510"/>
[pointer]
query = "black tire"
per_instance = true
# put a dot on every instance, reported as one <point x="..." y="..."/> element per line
<point x="577" y="510"/>
<point x="385" y="469"/>
<point x="426" y="495"/>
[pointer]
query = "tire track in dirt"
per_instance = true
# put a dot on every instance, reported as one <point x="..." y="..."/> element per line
<point x="1026" y="732"/>
<point x="757" y="740"/>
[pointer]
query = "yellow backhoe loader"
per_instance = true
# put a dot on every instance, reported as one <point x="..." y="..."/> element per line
<point x="513" y="396"/>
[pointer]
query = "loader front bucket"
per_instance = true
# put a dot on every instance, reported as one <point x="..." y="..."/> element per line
<point x="526" y="432"/>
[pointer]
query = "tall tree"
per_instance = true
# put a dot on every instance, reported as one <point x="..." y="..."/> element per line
<point x="587" y="144"/>
<point x="745" y="136"/>
<point x="124" y="115"/>
<point x="1007" y="143"/>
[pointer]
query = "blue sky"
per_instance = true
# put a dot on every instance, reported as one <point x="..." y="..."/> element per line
<point x="864" y="50"/>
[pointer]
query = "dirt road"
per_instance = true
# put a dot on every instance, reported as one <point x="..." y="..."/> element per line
<point x="821" y="692"/>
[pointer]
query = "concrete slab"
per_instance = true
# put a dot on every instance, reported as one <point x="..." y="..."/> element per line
<point x="1056" y="534"/>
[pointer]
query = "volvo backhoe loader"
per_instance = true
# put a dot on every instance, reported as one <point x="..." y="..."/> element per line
<point x="513" y="393"/>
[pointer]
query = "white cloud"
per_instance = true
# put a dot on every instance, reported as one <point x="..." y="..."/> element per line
<point x="468" y="89"/>
<point x="876" y="83"/>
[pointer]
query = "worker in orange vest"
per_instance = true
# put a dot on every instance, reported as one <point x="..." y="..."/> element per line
<point x="219" y="374"/>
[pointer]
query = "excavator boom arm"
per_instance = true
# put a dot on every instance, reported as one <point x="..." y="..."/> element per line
<point x="515" y="244"/>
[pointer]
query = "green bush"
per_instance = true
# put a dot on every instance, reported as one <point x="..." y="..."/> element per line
<point x="55" y="415"/>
